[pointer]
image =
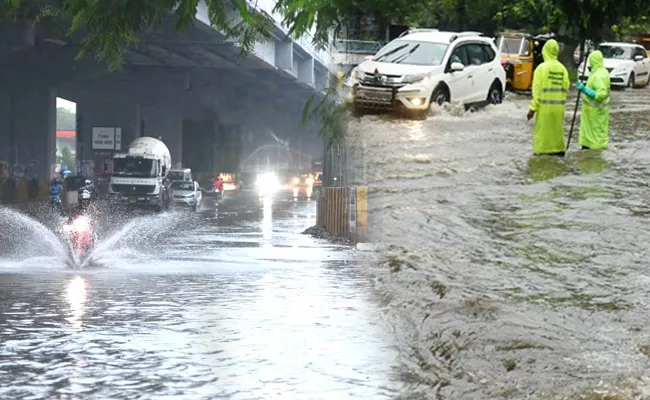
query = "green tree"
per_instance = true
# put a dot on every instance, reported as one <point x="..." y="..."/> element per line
<point x="66" y="157"/>
<point x="65" y="120"/>
<point x="110" y="26"/>
<point x="630" y="28"/>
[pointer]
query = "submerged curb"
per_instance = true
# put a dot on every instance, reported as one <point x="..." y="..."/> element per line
<point x="321" y="233"/>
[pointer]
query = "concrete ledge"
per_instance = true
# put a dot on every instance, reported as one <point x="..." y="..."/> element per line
<point x="21" y="193"/>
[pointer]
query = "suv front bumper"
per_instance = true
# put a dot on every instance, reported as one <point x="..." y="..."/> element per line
<point x="411" y="97"/>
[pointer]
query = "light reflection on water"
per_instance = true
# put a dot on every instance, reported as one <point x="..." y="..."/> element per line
<point x="76" y="296"/>
<point x="267" y="222"/>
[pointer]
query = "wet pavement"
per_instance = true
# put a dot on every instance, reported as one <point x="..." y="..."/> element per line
<point x="231" y="303"/>
<point x="510" y="276"/>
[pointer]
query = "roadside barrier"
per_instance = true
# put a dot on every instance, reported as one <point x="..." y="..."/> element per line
<point x="22" y="190"/>
<point x="343" y="212"/>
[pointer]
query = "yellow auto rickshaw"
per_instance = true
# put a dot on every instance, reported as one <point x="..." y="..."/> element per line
<point x="520" y="54"/>
<point x="645" y="42"/>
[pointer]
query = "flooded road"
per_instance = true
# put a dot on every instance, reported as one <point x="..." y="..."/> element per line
<point x="232" y="304"/>
<point x="511" y="276"/>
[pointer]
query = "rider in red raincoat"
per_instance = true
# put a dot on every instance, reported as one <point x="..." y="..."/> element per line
<point x="218" y="184"/>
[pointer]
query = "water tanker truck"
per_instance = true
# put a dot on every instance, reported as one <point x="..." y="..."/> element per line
<point x="139" y="174"/>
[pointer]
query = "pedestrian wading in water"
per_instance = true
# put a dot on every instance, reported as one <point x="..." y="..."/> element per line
<point x="594" y="116"/>
<point x="550" y="88"/>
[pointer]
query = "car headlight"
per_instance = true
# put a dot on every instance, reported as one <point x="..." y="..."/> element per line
<point x="296" y="181"/>
<point x="414" y="78"/>
<point x="357" y="74"/>
<point x="310" y="181"/>
<point x="620" y="70"/>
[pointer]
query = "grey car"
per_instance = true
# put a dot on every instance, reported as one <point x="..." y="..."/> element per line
<point x="186" y="193"/>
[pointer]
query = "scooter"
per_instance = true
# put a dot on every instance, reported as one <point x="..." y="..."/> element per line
<point x="55" y="205"/>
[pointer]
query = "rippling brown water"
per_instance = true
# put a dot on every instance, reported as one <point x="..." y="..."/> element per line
<point x="511" y="276"/>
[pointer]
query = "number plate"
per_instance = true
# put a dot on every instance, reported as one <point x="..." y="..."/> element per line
<point x="371" y="95"/>
<point x="132" y="201"/>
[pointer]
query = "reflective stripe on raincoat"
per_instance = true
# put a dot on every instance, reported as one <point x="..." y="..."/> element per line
<point x="550" y="88"/>
<point x="594" y="118"/>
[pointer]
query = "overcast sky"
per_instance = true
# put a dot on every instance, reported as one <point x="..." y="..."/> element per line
<point x="63" y="103"/>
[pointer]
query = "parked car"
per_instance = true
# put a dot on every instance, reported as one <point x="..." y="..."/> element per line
<point x="627" y="63"/>
<point x="589" y="47"/>
<point x="186" y="193"/>
<point x="425" y="66"/>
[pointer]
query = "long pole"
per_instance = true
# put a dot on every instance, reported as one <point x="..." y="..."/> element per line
<point x="575" y="110"/>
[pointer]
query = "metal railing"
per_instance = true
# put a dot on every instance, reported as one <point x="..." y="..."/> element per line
<point x="357" y="46"/>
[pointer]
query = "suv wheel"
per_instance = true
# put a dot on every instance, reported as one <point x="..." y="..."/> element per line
<point x="440" y="96"/>
<point x="494" y="94"/>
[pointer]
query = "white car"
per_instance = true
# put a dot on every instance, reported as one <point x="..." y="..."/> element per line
<point x="186" y="193"/>
<point x="589" y="47"/>
<point x="627" y="63"/>
<point x="425" y="66"/>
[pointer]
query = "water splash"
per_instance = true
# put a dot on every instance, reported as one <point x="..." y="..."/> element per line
<point x="22" y="235"/>
<point x="136" y="237"/>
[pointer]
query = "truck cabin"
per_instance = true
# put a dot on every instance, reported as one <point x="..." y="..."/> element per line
<point x="138" y="167"/>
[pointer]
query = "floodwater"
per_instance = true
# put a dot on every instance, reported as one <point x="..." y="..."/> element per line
<point x="233" y="303"/>
<point x="510" y="276"/>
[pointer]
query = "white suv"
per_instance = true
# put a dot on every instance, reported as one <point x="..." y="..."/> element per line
<point x="424" y="66"/>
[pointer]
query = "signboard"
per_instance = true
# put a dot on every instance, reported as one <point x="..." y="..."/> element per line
<point x="105" y="138"/>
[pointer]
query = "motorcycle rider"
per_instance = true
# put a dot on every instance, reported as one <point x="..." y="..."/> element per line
<point x="55" y="195"/>
<point x="218" y="185"/>
<point x="82" y="234"/>
<point x="85" y="193"/>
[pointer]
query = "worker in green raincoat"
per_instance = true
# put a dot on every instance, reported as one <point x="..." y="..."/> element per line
<point x="550" y="88"/>
<point x="594" y="119"/>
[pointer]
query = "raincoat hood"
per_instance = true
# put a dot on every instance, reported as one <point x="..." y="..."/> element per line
<point x="551" y="50"/>
<point x="596" y="60"/>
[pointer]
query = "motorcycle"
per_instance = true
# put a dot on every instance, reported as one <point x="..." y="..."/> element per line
<point x="81" y="237"/>
<point x="218" y="195"/>
<point x="55" y="204"/>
